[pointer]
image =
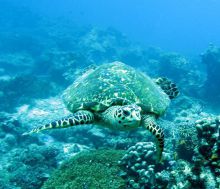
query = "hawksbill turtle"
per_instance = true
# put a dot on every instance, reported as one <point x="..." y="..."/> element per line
<point x="117" y="96"/>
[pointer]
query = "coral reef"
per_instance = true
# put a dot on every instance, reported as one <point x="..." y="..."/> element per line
<point x="23" y="89"/>
<point x="208" y="152"/>
<point x="95" y="169"/>
<point x="31" y="167"/>
<point x="60" y="66"/>
<point x="14" y="63"/>
<point x="171" y="63"/>
<point x="211" y="58"/>
<point x="140" y="167"/>
<point x="24" y="161"/>
<point x="182" y="71"/>
<point x="208" y="134"/>
<point x="186" y="139"/>
<point x="37" y="64"/>
<point x="201" y="169"/>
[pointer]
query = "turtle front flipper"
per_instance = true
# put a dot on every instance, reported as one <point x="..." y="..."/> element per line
<point x="79" y="118"/>
<point x="150" y="124"/>
<point x="168" y="87"/>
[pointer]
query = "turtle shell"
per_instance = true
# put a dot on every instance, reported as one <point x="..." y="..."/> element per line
<point x="115" y="84"/>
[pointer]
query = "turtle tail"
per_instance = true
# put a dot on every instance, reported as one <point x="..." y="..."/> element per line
<point x="168" y="87"/>
<point x="79" y="118"/>
<point x="150" y="124"/>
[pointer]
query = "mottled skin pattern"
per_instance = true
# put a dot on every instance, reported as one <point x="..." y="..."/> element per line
<point x="118" y="97"/>
<point x="81" y="117"/>
<point x="121" y="118"/>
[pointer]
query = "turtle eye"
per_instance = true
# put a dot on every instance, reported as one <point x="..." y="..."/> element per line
<point x="126" y="113"/>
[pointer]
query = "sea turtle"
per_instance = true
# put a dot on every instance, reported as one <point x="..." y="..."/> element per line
<point x="117" y="96"/>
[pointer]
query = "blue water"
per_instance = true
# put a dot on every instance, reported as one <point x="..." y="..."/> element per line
<point x="184" y="26"/>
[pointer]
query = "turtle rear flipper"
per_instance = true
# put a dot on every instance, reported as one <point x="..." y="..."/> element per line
<point x="79" y="118"/>
<point x="168" y="87"/>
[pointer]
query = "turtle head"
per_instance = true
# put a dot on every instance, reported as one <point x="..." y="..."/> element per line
<point x="128" y="116"/>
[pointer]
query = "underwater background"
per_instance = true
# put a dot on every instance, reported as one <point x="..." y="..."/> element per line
<point x="46" y="45"/>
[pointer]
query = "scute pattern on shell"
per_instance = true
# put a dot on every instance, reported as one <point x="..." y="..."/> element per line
<point x="112" y="83"/>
